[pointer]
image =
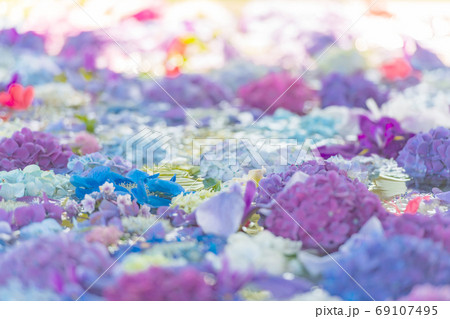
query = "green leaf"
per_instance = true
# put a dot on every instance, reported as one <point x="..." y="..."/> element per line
<point x="212" y="183"/>
<point x="90" y="123"/>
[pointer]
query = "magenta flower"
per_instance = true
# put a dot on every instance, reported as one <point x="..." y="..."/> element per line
<point x="384" y="137"/>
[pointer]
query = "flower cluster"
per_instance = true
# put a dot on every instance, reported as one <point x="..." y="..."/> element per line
<point x="185" y="284"/>
<point x="26" y="147"/>
<point x="61" y="263"/>
<point x="351" y="91"/>
<point x="436" y="227"/>
<point x="272" y="184"/>
<point x="278" y="90"/>
<point x="388" y="269"/>
<point x="425" y="158"/>
<point x="32" y="181"/>
<point x="324" y="211"/>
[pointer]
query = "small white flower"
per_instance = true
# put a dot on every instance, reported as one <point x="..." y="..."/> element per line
<point x="107" y="188"/>
<point x="88" y="204"/>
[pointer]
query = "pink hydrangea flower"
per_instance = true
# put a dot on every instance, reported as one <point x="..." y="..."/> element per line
<point x="87" y="143"/>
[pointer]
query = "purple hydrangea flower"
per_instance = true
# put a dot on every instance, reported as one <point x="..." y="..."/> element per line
<point x="62" y="263"/>
<point x="426" y="158"/>
<point x="26" y="147"/>
<point x="190" y="90"/>
<point x="351" y="91"/>
<point x="436" y="227"/>
<point x="280" y="89"/>
<point x="387" y="268"/>
<point x="274" y="183"/>
<point x="28" y="40"/>
<point x="329" y="206"/>
<point x="163" y="284"/>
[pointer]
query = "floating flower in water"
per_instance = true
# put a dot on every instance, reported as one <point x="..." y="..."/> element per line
<point x="274" y="183"/>
<point x="190" y="201"/>
<point x="32" y="181"/>
<point x="147" y="189"/>
<point x="263" y="252"/>
<point x="280" y="89"/>
<point x="387" y="268"/>
<point x="17" y="98"/>
<point x="351" y="91"/>
<point x="106" y="235"/>
<point x="86" y="143"/>
<point x="170" y="284"/>
<point x="436" y="227"/>
<point x="396" y="69"/>
<point x="330" y="208"/>
<point x="428" y="292"/>
<point x="426" y="158"/>
<point x="61" y="263"/>
<point x="384" y="137"/>
<point x="190" y="90"/>
<point x="26" y="147"/>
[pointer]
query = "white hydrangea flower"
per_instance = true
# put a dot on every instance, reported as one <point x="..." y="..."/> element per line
<point x="263" y="251"/>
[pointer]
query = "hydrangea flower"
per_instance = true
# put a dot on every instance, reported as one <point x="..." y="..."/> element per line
<point x="387" y="268"/>
<point x="82" y="164"/>
<point x="190" y="201"/>
<point x="26" y="147"/>
<point x="274" y="183"/>
<point x="428" y="292"/>
<point x="329" y="206"/>
<point x="190" y="90"/>
<point x="86" y="143"/>
<point x="145" y="188"/>
<point x="32" y="181"/>
<point x="263" y="252"/>
<point x="435" y="227"/>
<point x="298" y="97"/>
<point x="14" y="290"/>
<point x="351" y="91"/>
<point x="426" y="158"/>
<point x="106" y="235"/>
<point x="61" y="263"/>
<point x="169" y="284"/>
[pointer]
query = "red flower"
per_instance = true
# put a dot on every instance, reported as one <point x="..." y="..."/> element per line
<point x="17" y="97"/>
<point x="396" y="69"/>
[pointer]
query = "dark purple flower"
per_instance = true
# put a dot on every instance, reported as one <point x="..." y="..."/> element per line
<point x="280" y="89"/>
<point x="352" y="91"/>
<point x="329" y="206"/>
<point x="347" y="151"/>
<point x="26" y="147"/>
<point x="426" y="158"/>
<point x="384" y="137"/>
